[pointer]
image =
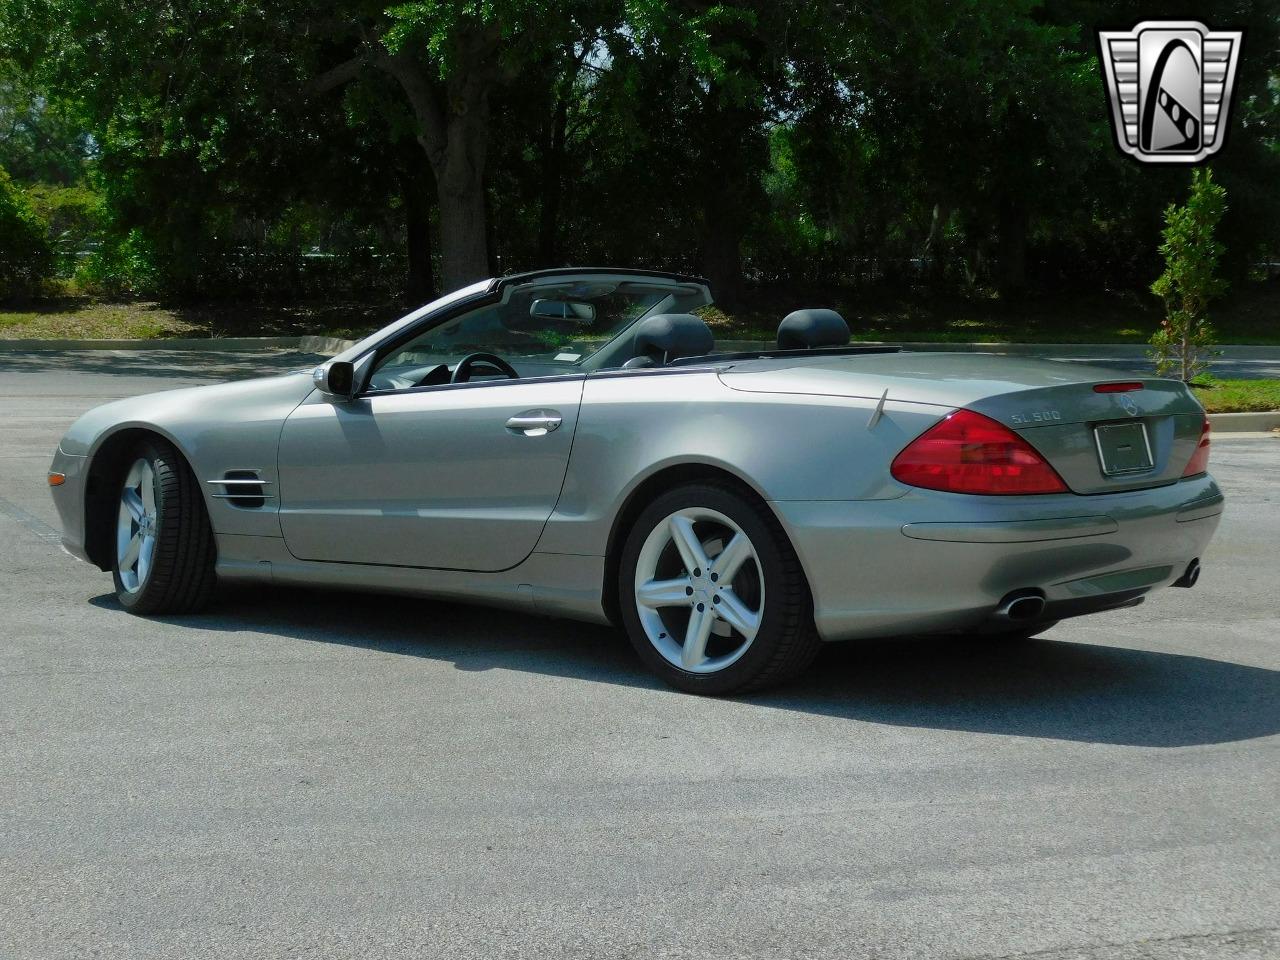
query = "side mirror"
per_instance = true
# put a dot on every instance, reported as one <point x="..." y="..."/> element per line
<point x="335" y="379"/>
<point x="563" y="310"/>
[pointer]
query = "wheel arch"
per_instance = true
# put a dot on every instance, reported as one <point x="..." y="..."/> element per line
<point x="108" y="458"/>
<point x="641" y="495"/>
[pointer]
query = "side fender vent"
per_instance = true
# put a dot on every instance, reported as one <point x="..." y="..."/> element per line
<point x="242" y="488"/>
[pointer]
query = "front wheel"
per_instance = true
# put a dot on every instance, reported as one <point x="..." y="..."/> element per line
<point x="164" y="550"/>
<point x="712" y="594"/>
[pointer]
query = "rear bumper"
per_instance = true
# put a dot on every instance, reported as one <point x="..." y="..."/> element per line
<point x="931" y="562"/>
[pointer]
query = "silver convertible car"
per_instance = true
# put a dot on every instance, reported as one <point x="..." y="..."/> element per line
<point x="575" y="443"/>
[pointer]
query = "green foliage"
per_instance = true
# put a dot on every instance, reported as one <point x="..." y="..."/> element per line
<point x="26" y="257"/>
<point x="73" y="217"/>
<point x="121" y="266"/>
<point x="40" y="138"/>
<point x="939" y="146"/>
<point x="1190" y="280"/>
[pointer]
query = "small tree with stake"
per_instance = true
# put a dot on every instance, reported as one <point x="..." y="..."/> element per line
<point x="1190" y="279"/>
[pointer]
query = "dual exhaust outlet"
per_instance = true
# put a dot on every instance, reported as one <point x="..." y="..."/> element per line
<point x="1024" y="606"/>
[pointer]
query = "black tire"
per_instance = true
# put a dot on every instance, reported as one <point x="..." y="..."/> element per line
<point x="786" y="641"/>
<point x="181" y="577"/>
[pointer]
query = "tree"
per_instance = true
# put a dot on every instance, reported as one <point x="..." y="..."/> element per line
<point x="449" y="60"/>
<point x="286" y="148"/>
<point x="39" y="139"/>
<point x="26" y="256"/>
<point x="1190" y="280"/>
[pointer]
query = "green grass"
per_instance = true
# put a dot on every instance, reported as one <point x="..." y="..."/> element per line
<point x="75" y="319"/>
<point x="1238" y="396"/>
<point x="82" y="318"/>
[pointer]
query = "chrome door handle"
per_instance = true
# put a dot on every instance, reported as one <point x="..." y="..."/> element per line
<point x="535" y="423"/>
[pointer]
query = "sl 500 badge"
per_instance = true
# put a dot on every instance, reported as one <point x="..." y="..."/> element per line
<point x="1038" y="416"/>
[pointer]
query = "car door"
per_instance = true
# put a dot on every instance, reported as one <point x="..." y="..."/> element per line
<point x="459" y="477"/>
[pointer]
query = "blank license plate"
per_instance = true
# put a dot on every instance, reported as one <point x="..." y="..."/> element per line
<point x="1123" y="447"/>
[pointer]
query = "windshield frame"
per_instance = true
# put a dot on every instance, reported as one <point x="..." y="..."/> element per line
<point x="369" y="352"/>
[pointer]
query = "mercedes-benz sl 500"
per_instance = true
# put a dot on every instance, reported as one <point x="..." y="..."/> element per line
<point x="576" y="443"/>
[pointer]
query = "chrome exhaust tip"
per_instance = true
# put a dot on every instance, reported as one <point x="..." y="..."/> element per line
<point x="1021" y="605"/>
<point x="1192" y="574"/>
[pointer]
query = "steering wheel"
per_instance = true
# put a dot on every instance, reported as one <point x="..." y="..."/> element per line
<point x="462" y="372"/>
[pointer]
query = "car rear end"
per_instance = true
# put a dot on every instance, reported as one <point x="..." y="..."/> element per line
<point x="1044" y="491"/>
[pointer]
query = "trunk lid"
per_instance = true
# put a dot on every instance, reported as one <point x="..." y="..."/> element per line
<point x="1098" y="442"/>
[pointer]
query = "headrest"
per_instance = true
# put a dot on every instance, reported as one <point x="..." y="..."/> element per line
<point x="805" y="329"/>
<point x="668" y="336"/>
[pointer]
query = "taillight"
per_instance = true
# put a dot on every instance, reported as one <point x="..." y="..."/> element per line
<point x="1199" y="461"/>
<point x="969" y="453"/>
<point x="1126" y="386"/>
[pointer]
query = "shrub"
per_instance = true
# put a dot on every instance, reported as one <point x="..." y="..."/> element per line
<point x="1190" y="279"/>
<point x="74" y="218"/>
<point x="26" y="256"/>
<point x="121" y="266"/>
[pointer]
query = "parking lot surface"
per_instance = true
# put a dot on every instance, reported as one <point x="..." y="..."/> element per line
<point x="309" y="774"/>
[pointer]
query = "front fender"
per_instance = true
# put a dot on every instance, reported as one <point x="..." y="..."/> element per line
<point x="216" y="428"/>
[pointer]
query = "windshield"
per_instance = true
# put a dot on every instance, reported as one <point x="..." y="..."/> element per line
<point x="541" y="329"/>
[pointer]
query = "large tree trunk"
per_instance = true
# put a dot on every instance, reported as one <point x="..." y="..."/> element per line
<point x="721" y="260"/>
<point x="552" y="173"/>
<point x="464" y="252"/>
<point x="464" y="249"/>
<point x="730" y="189"/>
<point x="1013" y="249"/>
<point x="935" y="246"/>
<point x="454" y="133"/>
<point x="419" y="277"/>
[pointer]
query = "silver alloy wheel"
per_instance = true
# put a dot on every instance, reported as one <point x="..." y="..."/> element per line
<point x="698" y="585"/>
<point x="136" y="526"/>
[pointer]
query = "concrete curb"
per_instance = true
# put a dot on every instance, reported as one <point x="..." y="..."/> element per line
<point x="203" y="344"/>
<point x="1245" y="422"/>
<point x="1079" y="351"/>
<point x="330" y="346"/>
<point x="1100" y="351"/>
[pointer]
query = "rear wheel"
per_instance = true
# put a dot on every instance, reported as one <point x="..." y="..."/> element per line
<point x="712" y="594"/>
<point x="164" y="550"/>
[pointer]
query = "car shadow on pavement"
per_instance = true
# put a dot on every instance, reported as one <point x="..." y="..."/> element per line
<point x="1045" y="688"/>
<point x="1105" y="692"/>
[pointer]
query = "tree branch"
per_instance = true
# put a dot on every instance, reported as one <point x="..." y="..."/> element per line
<point x="342" y="74"/>
<point x="423" y="98"/>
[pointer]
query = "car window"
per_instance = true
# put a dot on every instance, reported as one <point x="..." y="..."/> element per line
<point x="541" y="330"/>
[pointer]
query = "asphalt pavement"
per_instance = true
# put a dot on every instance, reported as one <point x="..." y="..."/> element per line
<point x="302" y="774"/>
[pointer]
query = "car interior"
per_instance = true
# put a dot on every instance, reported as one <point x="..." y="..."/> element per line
<point x="581" y="328"/>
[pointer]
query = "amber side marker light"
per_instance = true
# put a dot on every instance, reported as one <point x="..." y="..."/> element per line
<point x="57" y="479"/>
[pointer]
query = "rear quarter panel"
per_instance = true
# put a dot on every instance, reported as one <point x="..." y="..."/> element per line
<point x="785" y="446"/>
